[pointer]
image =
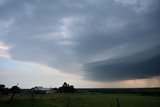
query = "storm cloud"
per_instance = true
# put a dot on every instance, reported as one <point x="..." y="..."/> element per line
<point x="106" y="40"/>
<point x="141" y="65"/>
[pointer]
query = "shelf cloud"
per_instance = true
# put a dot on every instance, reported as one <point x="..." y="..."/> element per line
<point x="105" y="40"/>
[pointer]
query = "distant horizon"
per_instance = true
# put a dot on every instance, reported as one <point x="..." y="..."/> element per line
<point x="93" y="87"/>
<point x="84" y="87"/>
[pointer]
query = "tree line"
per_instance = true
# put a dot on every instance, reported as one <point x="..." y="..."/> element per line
<point x="65" y="88"/>
<point x="5" y="91"/>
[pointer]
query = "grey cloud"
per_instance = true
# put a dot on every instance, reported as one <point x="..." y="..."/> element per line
<point x="140" y="6"/>
<point x="68" y="34"/>
<point x="126" y="68"/>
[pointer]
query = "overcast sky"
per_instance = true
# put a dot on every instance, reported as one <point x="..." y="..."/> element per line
<point x="87" y="43"/>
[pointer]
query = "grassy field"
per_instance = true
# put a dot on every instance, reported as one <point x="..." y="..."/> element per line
<point x="81" y="100"/>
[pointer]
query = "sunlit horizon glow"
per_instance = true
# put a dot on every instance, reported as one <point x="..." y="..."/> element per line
<point x="88" y="43"/>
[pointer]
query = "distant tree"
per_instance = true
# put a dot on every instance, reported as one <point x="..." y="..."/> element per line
<point x="66" y="88"/>
<point x="65" y="84"/>
<point x="2" y="86"/>
<point x="71" y="88"/>
<point x="55" y="89"/>
<point x="3" y="90"/>
<point x="13" y="90"/>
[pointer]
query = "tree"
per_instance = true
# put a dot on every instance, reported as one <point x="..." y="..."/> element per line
<point x="66" y="88"/>
<point x="71" y="89"/>
<point x="13" y="90"/>
<point x="3" y="90"/>
<point x="2" y="86"/>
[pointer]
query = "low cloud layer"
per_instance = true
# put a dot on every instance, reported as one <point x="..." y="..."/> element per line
<point x="104" y="40"/>
<point x="138" y="66"/>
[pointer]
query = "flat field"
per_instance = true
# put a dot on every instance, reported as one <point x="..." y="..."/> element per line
<point x="80" y="100"/>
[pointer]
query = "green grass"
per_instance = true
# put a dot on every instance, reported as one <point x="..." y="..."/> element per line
<point x="81" y="100"/>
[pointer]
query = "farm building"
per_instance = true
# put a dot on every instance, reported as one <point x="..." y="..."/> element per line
<point x="39" y="89"/>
